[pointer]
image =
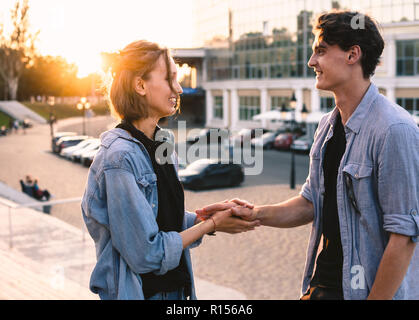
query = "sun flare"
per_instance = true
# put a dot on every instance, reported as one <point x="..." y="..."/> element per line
<point x="87" y="64"/>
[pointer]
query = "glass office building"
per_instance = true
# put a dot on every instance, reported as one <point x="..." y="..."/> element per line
<point x="256" y="55"/>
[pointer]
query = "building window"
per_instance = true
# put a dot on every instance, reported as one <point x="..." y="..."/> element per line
<point x="410" y="104"/>
<point x="327" y="104"/>
<point x="408" y="57"/>
<point x="249" y="107"/>
<point x="278" y="101"/>
<point x="218" y="107"/>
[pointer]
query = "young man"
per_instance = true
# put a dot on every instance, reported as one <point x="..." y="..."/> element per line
<point x="362" y="190"/>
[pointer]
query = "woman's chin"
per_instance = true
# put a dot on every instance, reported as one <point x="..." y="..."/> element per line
<point x="170" y="112"/>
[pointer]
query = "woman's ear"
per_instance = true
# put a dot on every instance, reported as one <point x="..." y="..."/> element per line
<point x="139" y="86"/>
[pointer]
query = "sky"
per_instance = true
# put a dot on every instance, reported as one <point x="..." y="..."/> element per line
<point x="79" y="30"/>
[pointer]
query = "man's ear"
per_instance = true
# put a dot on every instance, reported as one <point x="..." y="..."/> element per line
<point x="354" y="54"/>
<point x="139" y="86"/>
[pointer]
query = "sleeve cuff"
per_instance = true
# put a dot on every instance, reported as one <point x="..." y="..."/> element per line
<point x="190" y="218"/>
<point x="405" y="224"/>
<point x="173" y="247"/>
<point x="306" y="193"/>
<point x="189" y="222"/>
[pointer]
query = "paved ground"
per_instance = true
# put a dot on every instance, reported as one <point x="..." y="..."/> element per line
<point x="42" y="257"/>
<point x="263" y="264"/>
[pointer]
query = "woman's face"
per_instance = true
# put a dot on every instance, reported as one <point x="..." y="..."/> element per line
<point x="161" y="100"/>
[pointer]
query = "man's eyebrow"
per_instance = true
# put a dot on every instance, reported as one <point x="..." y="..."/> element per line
<point x="320" y="45"/>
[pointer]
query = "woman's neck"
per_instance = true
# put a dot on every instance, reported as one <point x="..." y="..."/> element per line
<point x="147" y="126"/>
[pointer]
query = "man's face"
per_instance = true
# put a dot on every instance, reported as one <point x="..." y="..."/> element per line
<point x="329" y="63"/>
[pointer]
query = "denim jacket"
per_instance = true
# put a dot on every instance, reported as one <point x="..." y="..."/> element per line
<point x="119" y="208"/>
<point x="382" y="161"/>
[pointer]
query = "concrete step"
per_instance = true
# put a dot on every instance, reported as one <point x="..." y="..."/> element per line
<point x="19" y="111"/>
<point x="48" y="259"/>
<point x="25" y="279"/>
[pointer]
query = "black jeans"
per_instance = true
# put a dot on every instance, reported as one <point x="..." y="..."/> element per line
<point x="321" y="293"/>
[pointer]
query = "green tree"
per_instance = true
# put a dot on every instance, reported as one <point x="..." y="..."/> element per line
<point x="16" y="49"/>
<point x="49" y="76"/>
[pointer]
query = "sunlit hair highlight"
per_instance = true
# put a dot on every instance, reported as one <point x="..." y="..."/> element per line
<point x="137" y="59"/>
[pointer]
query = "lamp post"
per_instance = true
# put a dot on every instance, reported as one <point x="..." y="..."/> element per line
<point x="293" y="104"/>
<point x="51" y="102"/>
<point x="83" y="105"/>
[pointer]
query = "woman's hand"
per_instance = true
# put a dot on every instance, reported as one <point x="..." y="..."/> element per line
<point x="225" y="222"/>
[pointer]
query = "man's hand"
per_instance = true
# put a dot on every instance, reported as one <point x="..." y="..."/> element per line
<point x="245" y="213"/>
<point x="209" y="210"/>
<point x="229" y="224"/>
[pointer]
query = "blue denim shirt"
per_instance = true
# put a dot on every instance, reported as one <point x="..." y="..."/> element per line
<point x="119" y="208"/>
<point x="382" y="160"/>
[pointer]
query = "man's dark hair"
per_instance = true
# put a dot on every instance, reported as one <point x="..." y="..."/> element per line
<point x="346" y="29"/>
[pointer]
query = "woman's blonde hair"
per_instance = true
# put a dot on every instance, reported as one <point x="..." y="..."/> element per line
<point x="137" y="59"/>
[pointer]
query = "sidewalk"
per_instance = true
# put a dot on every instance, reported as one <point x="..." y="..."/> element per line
<point x="48" y="259"/>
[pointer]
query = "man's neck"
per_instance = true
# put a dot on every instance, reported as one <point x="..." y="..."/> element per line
<point x="349" y="96"/>
<point x="147" y="126"/>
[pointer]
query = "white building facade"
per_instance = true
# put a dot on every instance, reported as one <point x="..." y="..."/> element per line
<point x="260" y="60"/>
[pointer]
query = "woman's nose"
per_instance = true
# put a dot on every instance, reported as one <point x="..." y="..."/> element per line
<point x="178" y="88"/>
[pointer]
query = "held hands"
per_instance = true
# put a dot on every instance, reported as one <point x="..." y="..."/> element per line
<point x="232" y="216"/>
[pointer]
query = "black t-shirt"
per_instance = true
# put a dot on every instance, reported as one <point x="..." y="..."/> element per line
<point x="171" y="205"/>
<point x="330" y="260"/>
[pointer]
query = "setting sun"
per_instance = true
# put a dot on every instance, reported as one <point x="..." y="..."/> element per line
<point x="87" y="64"/>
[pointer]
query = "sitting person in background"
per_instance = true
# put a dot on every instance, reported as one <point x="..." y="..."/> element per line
<point x="3" y="131"/>
<point x="31" y="188"/>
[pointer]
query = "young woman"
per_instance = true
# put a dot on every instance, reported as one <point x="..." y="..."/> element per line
<point x="133" y="205"/>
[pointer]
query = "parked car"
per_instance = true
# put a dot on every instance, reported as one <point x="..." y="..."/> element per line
<point x="205" y="135"/>
<point x="283" y="141"/>
<point x="86" y="158"/>
<point x="70" y="141"/>
<point x="210" y="173"/>
<point x="57" y="136"/>
<point x="94" y="144"/>
<point x="266" y="141"/>
<point x="244" y="134"/>
<point x="302" y="144"/>
<point x="68" y="151"/>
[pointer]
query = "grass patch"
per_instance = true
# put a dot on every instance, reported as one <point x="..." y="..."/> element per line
<point x="63" y="111"/>
<point x="4" y="119"/>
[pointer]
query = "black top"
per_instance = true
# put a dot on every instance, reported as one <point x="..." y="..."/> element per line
<point x="171" y="211"/>
<point x="330" y="260"/>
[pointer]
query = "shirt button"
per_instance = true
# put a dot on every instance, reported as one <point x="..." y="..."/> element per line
<point x="414" y="213"/>
<point x="153" y="205"/>
<point x="356" y="175"/>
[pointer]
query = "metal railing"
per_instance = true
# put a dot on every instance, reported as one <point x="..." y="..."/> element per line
<point x="10" y="205"/>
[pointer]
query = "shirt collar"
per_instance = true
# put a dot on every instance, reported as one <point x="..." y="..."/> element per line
<point x="361" y="111"/>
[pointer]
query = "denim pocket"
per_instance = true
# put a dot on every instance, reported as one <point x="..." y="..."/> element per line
<point x="147" y="179"/>
<point x="148" y="183"/>
<point x="360" y="182"/>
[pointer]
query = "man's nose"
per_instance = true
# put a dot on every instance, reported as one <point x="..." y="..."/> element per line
<point x="312" y="62"/>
